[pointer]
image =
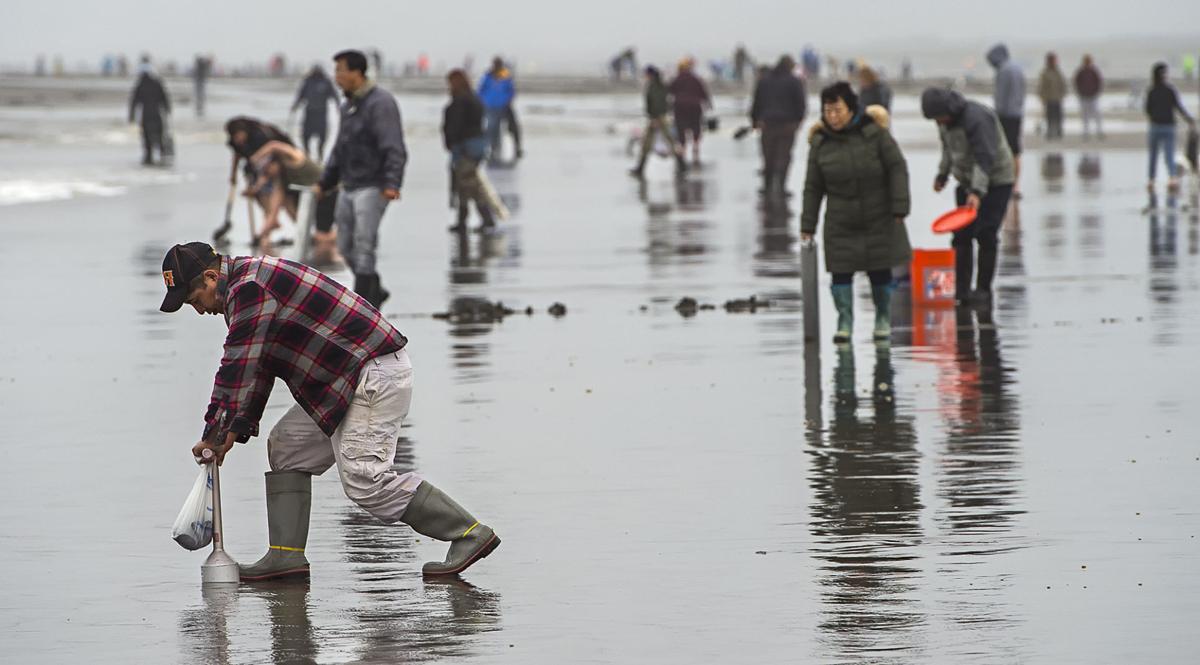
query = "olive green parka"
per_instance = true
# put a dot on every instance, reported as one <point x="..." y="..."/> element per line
<point x="861" y="175"/>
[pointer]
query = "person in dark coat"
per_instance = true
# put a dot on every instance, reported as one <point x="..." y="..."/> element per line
<point x="463" y="136"/>
<point x="855" y="166"/>
<point x="689" y="99"/>
<point x="777" y="111"/>
<point x="976" y="152"/>
<point x="657" y="106"/>
<point x="1088" y="85"/>
<point x="367" y="162"/>
<point x="316" y="91"/>
<point x="872" y="91"/>
<point x="1162" y="103"/>
<point x="151" y="98"/>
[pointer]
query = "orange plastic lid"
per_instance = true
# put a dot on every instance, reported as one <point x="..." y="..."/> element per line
<point x="959" y="218"/>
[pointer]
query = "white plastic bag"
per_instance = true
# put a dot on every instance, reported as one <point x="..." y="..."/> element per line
<point x="194" y="527"/>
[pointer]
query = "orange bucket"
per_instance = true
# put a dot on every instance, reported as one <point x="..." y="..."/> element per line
<point x="932" y="275"/>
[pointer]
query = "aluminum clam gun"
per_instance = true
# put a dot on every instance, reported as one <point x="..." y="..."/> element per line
<point x="219" y="567"/>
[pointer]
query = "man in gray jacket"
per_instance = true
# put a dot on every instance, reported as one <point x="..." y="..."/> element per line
<point x="975" y="152"/>
<point x="1009" y="101"/>
<point x="368" y="161"/>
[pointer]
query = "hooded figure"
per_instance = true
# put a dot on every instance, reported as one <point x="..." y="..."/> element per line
<point x="151" y="96"/>
<point x="1009" y="96"/>
<point x="975" y="152"/>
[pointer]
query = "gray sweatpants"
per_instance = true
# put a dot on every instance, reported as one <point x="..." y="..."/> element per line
<point x="364" y="445"/>
<point x="358" y="214"/>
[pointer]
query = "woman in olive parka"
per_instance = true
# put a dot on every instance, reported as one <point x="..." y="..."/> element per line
<point x="855" y="165"/>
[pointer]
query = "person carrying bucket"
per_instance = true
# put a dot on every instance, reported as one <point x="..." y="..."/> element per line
<point x="349" y="371"/>
<point x="976" y="153"/>
<point x="855" y="165"/>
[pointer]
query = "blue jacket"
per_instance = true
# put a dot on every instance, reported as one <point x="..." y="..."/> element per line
<point x="496" y="91"/>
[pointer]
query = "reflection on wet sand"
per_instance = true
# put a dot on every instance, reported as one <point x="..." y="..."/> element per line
<point x="680" y="239"/>
<point x="392" y="616"/>
<point x="1164" y="275"/>
<point x="864" y="516"/>
<point x="979" y="482"/>
<point x="776" y="255"/>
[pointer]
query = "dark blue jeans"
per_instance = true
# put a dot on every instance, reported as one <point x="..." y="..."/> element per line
<point x="1162" y="137"/>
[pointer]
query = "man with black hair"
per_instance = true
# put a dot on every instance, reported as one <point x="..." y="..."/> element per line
<point x="349" y="371"/>
<point x="368" y="162"/>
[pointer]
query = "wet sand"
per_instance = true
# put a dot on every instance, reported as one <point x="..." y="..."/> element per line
<point x="1019" y="487"/>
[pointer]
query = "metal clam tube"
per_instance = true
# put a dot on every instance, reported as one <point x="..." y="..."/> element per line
<point x="219" y="567"/>
<point x="808" y="290"/>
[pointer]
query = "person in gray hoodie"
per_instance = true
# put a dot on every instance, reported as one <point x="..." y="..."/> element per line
<point x="1009" y="101"/>
<point x="975" y="152"/>
<point x="368" y="162"/>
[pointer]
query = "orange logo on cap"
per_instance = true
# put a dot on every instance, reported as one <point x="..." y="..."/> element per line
<point x="169" y="278"/>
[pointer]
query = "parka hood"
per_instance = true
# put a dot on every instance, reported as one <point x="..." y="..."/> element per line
<point x="873" y="114"/>
<point x="938" y="102"/>
<point x="997" y="55"/>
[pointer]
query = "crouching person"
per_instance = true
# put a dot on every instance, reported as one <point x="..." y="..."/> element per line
<point x="352" y="380"/>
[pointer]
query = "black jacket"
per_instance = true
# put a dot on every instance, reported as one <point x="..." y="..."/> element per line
<point x="778" y="97"/>
<point x="370" y="148"/>
<point x="315" y="93"/>
<point x="152" y="97"/>
<point x="462" y="120"/>
<point x="1161" y="103"/>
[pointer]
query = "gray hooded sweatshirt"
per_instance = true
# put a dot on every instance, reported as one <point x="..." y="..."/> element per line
<point x="1009" y="96"/>
<point x="974" y="149"/>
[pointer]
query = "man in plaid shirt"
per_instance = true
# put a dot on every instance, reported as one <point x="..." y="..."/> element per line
<point x="349" y="372"/>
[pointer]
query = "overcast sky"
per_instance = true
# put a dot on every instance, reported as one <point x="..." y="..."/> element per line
<point x="571" y="35"/>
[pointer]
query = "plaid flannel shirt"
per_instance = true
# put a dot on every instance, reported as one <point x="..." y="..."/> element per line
<point x="289" y="321"/>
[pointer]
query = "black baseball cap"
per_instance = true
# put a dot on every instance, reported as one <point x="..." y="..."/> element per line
<point x="181" y="265"/>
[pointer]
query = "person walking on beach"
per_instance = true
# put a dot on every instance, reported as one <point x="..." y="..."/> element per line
<point x="315" y="93"/>
<point x="777" y="111"/>
<point x="497" y="91"/>
<point x="657" y="107"/>
<point x="349" y="371"/>
<point x="150" y="97"/>
<point x="1009" y="104"/>
<point x="872" y="91"/>
<point x="1162" y="103"/>
<point x="462" y="134"/>
<point x="855" y="166"/>
<point x="1052" y="90"/>
<point x="976" y="153"/>
<point x="689" y="99"/>
<point x="201" y="70"/>
<point x="1088" y="86"/>
<point x="368" y="162"/>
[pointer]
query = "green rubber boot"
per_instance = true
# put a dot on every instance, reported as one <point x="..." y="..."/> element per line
<point x="436" y="515"/>
<point x="289" y="499"/>
<point x="843" y="300"/>
<point x="882" y="295"/>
